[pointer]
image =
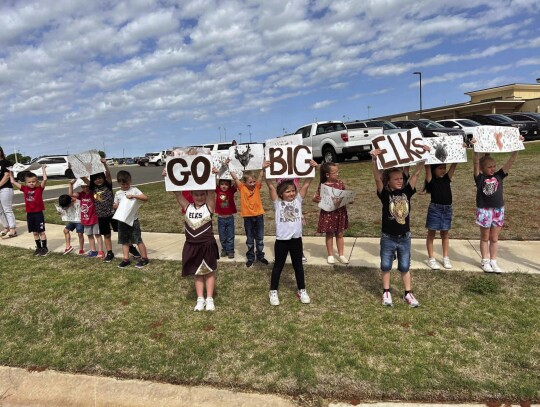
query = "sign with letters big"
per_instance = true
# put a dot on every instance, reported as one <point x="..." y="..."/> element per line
<point x="289" y="162"/>
<point x="189" y="173"/>
<point x="400" y="149"/>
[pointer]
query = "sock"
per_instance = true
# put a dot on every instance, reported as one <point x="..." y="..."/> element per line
<point x="38" y="244"/>
<point x="109" y="252"/>
<point x="407" y="292"/>
<point x="44" y="243"/>
<point x="386" y="290"/>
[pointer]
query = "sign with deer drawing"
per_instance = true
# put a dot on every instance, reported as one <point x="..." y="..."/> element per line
<point x="446" y="149"/>
<point x="246" y="157"/>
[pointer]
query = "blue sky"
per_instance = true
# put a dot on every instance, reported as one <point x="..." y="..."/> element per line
<point x="140" y="76"/>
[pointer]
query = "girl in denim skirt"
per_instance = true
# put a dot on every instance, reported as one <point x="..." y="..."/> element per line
<point x="439" y="214"/>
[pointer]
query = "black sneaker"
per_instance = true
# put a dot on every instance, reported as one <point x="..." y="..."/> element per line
<point x="124" y="264"/>
<point x="37" y="252"/>
<point x="141" y="263"/>
<point x="44" y="251"/>
<point x="223" y="254"/>
<point x="230" y="255"/>
<point x="108" y="258"/>
<point x="264" y="261"/>
<point x="249" y="263"/>
<point x="134" y="252"/>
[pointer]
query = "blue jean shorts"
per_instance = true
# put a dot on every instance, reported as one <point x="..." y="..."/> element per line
<point x="439" y="217"/>
<point x="391" y="244"/>
<point x="71" y="226"/>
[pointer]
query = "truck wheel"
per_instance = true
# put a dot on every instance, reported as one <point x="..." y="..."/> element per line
<point x="69" y="174"/>
<point x="329" y="155"/>
<point x="158" y="163"/>
<point x="146" y="163"/>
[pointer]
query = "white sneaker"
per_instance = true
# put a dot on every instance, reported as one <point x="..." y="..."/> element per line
<point x="446" y="263"/>
<point x="331" y="260"/>
<point x="274" y="299"/>
<point x="343" y="259"/>
<point x="304" y="259"/>
<point x="432" y="264"/>
<point x="409" y="299"/>
<point x="200" y="304"/>
<point x="486" y="266"/>
<point x="387" y="299"/>
<point x="495" y="266"/>
<point x="303" y="295"/>
<point x="210" y="304"/>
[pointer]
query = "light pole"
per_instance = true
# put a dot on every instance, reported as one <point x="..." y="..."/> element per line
<point x="240" y="136"/>
<point x="225" y="130"/>
<point x="368" y="108"/>
<point x="420" y="76"/>
<point x="249" y="129"/>
<point x="219" y="128"/>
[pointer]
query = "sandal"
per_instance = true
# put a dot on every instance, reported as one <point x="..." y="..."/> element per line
<point x="3" y="233"/>
<point x="9" y="235"/>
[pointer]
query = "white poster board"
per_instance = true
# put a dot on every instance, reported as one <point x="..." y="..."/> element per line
<point x="218" y="161"/>
<point x="400" y="149"/>
<point x="70" y="214"/>
<point x="246" y="157"/>
<point x="333" y="198"/>
<point x="86" y="163"/>
<point x="290" y="140"/>
<point x="446" y="149"/>
<point x="289" y="162"/>
<point x="127" y="210"/>
<point x="497" y="139"/>
<point x="189" y="173"/>
<point x="182" y="151"/>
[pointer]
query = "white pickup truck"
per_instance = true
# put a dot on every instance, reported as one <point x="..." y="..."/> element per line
<point x="332" y="142"/>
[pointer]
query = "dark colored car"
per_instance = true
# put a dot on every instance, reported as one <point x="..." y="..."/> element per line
<point x="429" y="128"/>
<point x="532" y="118"/>
<point x="501" y="120"/>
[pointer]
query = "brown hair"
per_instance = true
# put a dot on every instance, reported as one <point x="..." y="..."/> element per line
<point x="282" y="187"/>
<point x="2" y="156"/>
<point x="386" y="174"/>
<point x="123" y="177"/>
<point x="325" y="169"/>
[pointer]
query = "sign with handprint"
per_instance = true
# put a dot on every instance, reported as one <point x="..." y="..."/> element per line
<point x="497" y="139"/>
<point x="446" y="149"/>
<point x="86" y="163"/>
<point x="333" y="198"/>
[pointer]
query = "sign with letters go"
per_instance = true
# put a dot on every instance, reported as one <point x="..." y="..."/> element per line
<point x="400" y="149"/>
<point x="289" y="162"/>
<point x="189" y="173"/>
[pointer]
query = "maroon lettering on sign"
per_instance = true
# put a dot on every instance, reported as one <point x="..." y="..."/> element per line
<point x="206" y="170"/>
<point x="276" y="156"/>
<point x="170" y="173"/>
<point x="376" y="146"/>
<point x="297" y="149"/>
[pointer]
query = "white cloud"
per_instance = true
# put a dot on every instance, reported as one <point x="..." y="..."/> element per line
<point x="322" y="104"/>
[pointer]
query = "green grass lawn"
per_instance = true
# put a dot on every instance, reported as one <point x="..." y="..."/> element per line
<point x="474" y="338"/>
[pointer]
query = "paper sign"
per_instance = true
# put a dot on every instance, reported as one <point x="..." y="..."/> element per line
<point x="181" y="151"/>
<point x="290" y="140"/>
<point x="333" y="198"/>
<point x="189" y="173"/>
<point x="218" y="161"/>
<point x="86" y="164"/>
<point x="127" y="210"/>
<point x="289" y="162"/>
<point x="400" y="149"/>
<point x="446" y="149"/>
<point x="497" y="139"/>
<point x="246" y="157"/>
<point x="70" y="214"/>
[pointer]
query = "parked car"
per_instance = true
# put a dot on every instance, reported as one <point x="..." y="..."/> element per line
<point x="533" y="118"/>
<point x="467" y="125"/>
<point x="429" y="128"/>
<point x="57" y="166"/>
<point x="501" y="120"/>
<point x="388" y="127"/>
<point x="129" y="161"/>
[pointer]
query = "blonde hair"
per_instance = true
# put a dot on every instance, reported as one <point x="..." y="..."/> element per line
<point x="485" y="160"/>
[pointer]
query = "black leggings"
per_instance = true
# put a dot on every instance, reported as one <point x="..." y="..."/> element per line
<point x="281" y="249"/>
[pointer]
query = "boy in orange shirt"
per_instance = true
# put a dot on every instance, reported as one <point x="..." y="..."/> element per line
<point x="252" y="211"/>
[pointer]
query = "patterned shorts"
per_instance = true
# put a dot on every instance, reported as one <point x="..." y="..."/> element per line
<point x="490" y="217"/>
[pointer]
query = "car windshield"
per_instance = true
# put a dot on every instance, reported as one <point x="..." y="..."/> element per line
<point x="468" y="123"/>
<point x="430" y="124"/>
<point x="499" y="118"/>
<point x="385" y="124"/>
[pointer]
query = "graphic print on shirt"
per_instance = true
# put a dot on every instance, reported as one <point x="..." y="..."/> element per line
<point x="30" y="196"/>
<point x="288" y="212"/>
<point x="399" y="208"/>
<point x="85" y="208"/>
<point x="491" y="185"/>
<point x="223" y="201"/>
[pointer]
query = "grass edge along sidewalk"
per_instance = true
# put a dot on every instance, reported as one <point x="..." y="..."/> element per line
<point x="474" y="338"/>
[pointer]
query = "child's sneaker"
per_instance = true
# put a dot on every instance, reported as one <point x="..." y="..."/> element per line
<point x="230" y="255"/>
<point x="91" y="253"/>
<point x="109" y="257"/>
<point x="223" y="254"/>
<point x="100" y="255"/>
<point x="210" y="304"/>
<point x="81" y="252"/>
<point x="274" y="299"/>
<point x="495" y="266"/>
<point x="141" y="263"/>
<point x="343" y="259"/>
<point x="330" y="260"/>
<point x="44" y="251"/>
<point x="486" y="266"/>
<point x="200" y="304"/>
<point x="249" y="263"/>
<point x="124" y="264"/>
<point x="387" y="299"/>
<point x="134" y="252"/>
<point x="303" y="296"/>
<point x="409" y="299"/>
<point x="264" y="261"/>
<point x="432" y="264"/>
<point x="37" y="252"/>
<point x="304" y="259"/>
<point x="446" y="263"/>
<point x="68" y="249"/>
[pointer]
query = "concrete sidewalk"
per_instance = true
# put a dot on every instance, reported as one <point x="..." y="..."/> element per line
<point x="514" y="256"/>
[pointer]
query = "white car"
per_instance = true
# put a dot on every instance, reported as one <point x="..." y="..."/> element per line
<point x="56" y="165"/>
<point x="467" y="125"/>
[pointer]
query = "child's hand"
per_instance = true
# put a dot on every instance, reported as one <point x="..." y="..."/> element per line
<point x="72" y="181"/>
<point x="304" y="220"/>
<point x="115" y="205"/>
<point x="266" y="164"/>
<point x="317" y="198"/>
<point x="164" y="172"/>
<point x="215" y="170"/>
<point x="521" y="138"/>
<point x="426" y="148"/>
<point x="129" y="196"/>
<point x="374" y="153"/>
<point x="313" y="163"/>
<point x="473" y="140"/>
<point x="103" y="161"/>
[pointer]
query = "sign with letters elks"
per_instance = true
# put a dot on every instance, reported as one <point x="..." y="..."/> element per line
<point x="189" y="173"/>
<point x="289" y="162"/>
<point x="400" y="149"/>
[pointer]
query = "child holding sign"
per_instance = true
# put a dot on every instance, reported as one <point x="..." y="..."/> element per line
<point x="336" y="222"/>
<point x="287" y="202"/>
<point x="396" y="236"/>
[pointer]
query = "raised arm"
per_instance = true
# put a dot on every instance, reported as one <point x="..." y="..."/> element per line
<point x="452" y="170"/>
<point x="508" y="164"/>
<point x="70" y="189"/>
<point x="476" y="163"/>
<point x="270" y="184"/>
<point x="414" y="177"/>
<point x="14" y="181"/>
<point x="107" y="171"/>
<point x="211" y="200"/>
<point x="182" y="201"/>
<point x="307" y="182"/>
<point x="260" y="177"/>
<point x="429" y="175"/>
<point x="376" y="172"/>
<point x="237" y="182"/>
<point x="44" y="178"/>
